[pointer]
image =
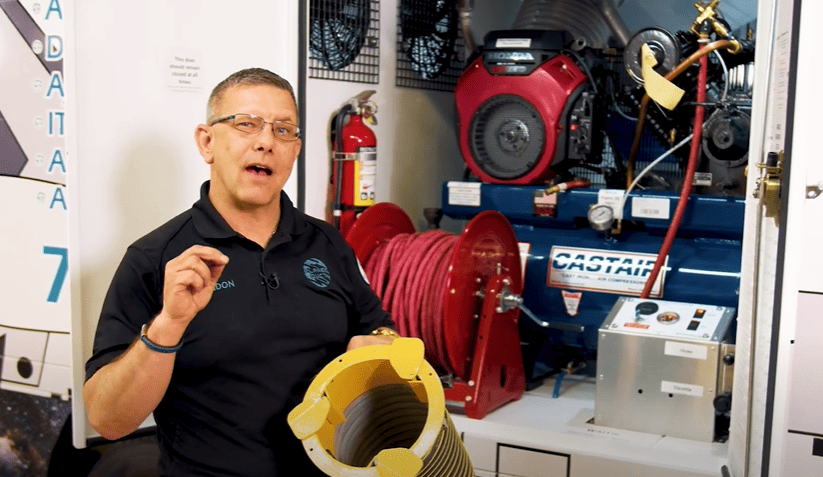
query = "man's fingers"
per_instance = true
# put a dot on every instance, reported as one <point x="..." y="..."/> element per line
<point x="367" y="340"/>
<point x="200" y="267"/>
<point x="189" y="280"/>
<point x="208" y="254"/>
<point x="212" y="258"/>
<point x="216" y="269"/>
<point x="206" y="261"/>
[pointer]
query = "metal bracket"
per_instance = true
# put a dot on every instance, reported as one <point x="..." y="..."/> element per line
<point x="813" y="191"/>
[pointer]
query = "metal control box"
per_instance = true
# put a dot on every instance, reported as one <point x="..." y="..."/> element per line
<point x="657" y="367"/>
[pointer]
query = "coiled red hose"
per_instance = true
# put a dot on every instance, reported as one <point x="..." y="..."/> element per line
<point x="409" y="272"/>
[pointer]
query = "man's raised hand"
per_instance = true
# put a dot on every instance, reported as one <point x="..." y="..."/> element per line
<point x="189" y="282"/>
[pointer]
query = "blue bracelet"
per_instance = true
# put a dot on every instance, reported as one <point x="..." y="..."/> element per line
<point x="156" y="347"/>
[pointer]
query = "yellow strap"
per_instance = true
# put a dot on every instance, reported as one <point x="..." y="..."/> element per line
<point x="663" y="91"/>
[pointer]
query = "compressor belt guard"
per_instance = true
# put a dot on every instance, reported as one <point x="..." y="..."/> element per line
<point x="379" y="411"/>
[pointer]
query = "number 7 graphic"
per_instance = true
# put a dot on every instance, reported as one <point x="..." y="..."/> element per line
<point x="60" y="277"/>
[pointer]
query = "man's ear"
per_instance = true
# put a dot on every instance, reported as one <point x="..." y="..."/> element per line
<point x="204" y="139"/>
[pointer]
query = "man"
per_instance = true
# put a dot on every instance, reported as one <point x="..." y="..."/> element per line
<point x="217" y="321"/>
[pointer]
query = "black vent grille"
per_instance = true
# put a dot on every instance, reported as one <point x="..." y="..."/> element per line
<point x="344" y="40"/>
<point x="430" y="48"/>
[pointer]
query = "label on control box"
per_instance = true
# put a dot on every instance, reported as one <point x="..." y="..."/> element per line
<point x="685" y="350"/>
<point x="680" y="388"/>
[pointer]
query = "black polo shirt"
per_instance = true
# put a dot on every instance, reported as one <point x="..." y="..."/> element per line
<point x="248" y="357"/>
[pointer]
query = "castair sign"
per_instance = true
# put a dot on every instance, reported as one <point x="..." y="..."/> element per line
<point x="35" y="347"/>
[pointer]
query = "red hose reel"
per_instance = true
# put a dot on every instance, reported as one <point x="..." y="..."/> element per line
<point x="463" y="306"/>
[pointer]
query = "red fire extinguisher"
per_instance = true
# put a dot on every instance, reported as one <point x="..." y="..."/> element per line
<point x="354" y="161"/>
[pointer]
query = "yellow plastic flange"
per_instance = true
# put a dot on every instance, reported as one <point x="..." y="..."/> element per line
<point x="348" y="377"/>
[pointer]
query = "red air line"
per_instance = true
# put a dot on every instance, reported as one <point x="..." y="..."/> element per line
<point x="691" y="167"/>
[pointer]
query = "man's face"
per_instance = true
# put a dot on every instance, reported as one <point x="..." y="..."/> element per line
<point x="249" y="170"/>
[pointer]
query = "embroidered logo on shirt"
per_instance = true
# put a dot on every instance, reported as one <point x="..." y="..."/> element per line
<point x="223" y="285"/>
<point x="317" y="272"/>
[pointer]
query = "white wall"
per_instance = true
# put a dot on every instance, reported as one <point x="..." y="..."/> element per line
<point x="134" y="163"/>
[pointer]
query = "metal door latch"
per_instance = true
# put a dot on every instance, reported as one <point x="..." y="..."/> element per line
<point x="768" y="184"/>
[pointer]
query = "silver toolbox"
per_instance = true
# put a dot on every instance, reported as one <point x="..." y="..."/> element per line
<point x="657" y="367"/>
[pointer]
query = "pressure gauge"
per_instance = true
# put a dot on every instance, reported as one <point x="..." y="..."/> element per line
<point x="601" y="217"/>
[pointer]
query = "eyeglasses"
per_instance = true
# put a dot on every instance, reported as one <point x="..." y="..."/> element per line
<point x="251" y="124"/>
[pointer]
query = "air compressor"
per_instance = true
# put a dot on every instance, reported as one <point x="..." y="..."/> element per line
<point x="528" y="110"/>
<point x="354" y="160"/>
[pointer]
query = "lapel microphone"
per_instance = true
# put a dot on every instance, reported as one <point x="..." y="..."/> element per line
<point x="271" y="281"/>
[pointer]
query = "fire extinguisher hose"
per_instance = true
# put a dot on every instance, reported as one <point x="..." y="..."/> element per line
<point x="337" y="163"/>
<point x="409" y="273"/>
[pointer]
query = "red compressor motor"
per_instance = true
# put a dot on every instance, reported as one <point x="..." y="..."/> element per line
<point x="354" y="161"/>
<point x="525" y="109"/>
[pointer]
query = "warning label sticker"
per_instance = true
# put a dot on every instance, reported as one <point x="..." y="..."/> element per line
<point x="622" y="273"/>
<point x="572" y="301"/>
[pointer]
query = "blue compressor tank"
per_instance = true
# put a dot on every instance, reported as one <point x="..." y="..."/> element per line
<point x="574" y="274"/>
